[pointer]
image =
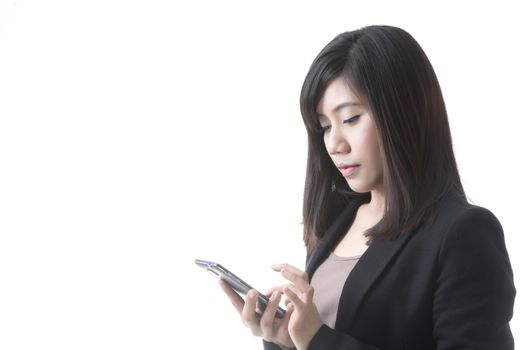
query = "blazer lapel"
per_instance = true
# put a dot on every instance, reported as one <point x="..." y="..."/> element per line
<point x="332" y="236"/>
<point x="368" y="269"/>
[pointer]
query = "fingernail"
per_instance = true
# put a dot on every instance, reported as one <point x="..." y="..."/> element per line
<point x="273" y="296"/>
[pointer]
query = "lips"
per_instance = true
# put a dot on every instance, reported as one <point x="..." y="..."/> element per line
<point x="347" y="169"/>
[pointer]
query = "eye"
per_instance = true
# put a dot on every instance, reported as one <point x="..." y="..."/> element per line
<point x="352" y="120"/>
<point x="325" y="128"/>
<point x="321" y="129"/>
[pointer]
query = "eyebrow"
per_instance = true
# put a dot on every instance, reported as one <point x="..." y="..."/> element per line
<point x="339" y="107"/>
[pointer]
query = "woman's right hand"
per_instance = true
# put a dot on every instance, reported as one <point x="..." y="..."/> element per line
<point x="267" y="326"/>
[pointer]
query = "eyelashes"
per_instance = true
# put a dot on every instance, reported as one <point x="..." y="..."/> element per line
<point x="351" y="120"/>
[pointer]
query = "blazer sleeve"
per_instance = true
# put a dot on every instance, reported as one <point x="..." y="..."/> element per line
<point x="474" y="294"/>
<point x="270" y="346"/>
<point x="327" y="338"/>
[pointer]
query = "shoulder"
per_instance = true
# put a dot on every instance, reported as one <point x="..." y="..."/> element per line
<point x="466" y="232"/>
<point x="461" y="228"/>
<point x="476" y="221"/>
<point x="456" y="217"/>
<point x="474" y="279"/>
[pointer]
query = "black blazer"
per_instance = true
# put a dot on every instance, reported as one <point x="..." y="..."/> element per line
<point x="448" y="285"/>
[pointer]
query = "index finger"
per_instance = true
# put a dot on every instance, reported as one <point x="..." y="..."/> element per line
<point x="274" y="289"/>
<point x="291" y="268"/>
<point x="294" y="275"/>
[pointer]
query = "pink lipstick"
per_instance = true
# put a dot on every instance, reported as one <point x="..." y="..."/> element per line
<point x="347" y="170"/>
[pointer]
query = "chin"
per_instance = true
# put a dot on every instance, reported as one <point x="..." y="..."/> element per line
<point x="359" y="188"/>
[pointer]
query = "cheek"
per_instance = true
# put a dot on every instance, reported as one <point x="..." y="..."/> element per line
<point x="373" y="150"/>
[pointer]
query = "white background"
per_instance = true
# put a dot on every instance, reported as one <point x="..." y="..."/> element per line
<point x="136" y="136"/>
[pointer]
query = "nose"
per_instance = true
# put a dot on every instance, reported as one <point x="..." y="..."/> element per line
<point x="336" y="142"/>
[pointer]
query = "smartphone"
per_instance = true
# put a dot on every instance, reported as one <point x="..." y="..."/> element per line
<point x="236" y="283"/>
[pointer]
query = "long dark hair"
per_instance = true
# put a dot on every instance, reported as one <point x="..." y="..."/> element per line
<point x="394" y="79"/>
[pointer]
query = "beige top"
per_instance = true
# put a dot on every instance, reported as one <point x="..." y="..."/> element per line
<point x="328" y="282"/>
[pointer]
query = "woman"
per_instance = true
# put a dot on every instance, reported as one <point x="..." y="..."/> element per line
<point x="396" y="257"/>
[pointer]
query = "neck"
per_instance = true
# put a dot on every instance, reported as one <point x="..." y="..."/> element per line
<point x="376" y="207"/>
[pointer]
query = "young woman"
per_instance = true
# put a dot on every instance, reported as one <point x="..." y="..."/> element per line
<point x="396" y="256"/>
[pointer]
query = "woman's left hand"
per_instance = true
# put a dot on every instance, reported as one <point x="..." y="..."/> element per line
<point x="304" y="320"/>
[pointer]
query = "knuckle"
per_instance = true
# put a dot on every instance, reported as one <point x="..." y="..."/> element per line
<point x="266" y="324"/>
<point x="268" y="334"/>
<point x="255" y="332"/>
<point x="310" y="291"/>
<point x="254" y="328"/>
<point x="245" y="320"/>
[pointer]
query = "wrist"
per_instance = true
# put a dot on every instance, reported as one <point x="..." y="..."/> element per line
<point x="303" y="343"/>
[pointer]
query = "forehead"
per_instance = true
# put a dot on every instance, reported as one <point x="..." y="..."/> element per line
<point x="337" y="93"/>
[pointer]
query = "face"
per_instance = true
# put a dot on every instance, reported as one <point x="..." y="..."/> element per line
<point x="351" y="137"/>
